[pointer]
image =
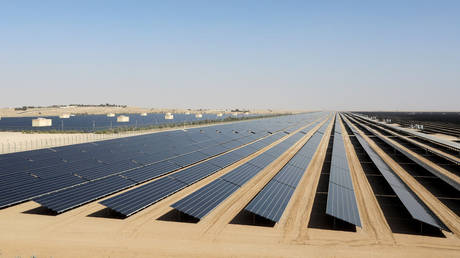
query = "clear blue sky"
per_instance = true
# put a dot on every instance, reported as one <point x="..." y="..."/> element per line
<point x="392" y="55"/>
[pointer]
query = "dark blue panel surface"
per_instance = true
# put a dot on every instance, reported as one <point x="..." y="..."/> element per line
<point x="200" y="203"/>
<point x="151" y="171"/>
<point x="139" y="198"/>
<point x="75" y="196"/>
<point x="271" y="201"/>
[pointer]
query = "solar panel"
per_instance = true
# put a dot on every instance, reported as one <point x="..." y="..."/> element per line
<point x="416" y="160"/>
<point x="36" y="188"/>
<point x="149" y="172"/>
<point x="196" y="173"/>
<point x="15" y="180"/>
<point x="262" y="160"/>
<point x="107" y="169"/>
<point x="245" y="151"/>
<point x="226" y="159"/>
<point x="341" y="201"/>
<point x="290" y="175"/>
<point x="76" y="196"/>
<point x="447" y="143"/>
<point x="139" y="198"/>
<point x="240" y="175"/>
<point x="271" y="201"/>
<point x="410" y="200"/>
<point x="214" y="150"/>
<point x="198" y="203"/>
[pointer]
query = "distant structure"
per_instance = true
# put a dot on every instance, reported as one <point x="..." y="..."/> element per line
<point x="187" y="112"/>
<point x="41" y="122"/>
<point x="110" y="115"/>
<point x="144" y="114"/>
<point x="235" y="114"/>
<point x="219" y="115"/>
<point x="123" y="119"/>
<point x="199" y="115"/>
<point x="169" y="116"/>
<point x="64" y="116"/>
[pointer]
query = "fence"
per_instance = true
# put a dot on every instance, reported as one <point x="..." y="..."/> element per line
<point x="40" y="141"/>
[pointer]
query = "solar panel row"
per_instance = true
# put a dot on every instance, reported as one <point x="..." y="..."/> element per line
<point x="450" y="144"/>
<point x="272" y="200"/>
<point x="204" y="200"/>
<point x="123" y="203"/>
<point x="76" y="196"/>
<point x="410" y="200"/>
<point x="341" y="201"/>
<point x="416" y="160"/>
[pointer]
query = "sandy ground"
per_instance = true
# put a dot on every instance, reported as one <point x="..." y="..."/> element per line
<point x="10" y="112"/>
<point x="27" y="232"/>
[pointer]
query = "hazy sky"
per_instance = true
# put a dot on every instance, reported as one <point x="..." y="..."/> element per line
<point x="397" y="55"/>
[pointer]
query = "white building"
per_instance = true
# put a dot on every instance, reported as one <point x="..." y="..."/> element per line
<point x="123" y="119"/>
<point x="169" y="116"/>
<point x="41" y="122"/>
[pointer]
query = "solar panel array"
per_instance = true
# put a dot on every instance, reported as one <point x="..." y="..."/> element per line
<point x="410" y="200"/>
<point x="437" y="140"/>
<point x="272" y="200"/>
<point x="93" y="122"/>
<point x="416" y="160"/>
<point x="155" y="191"/>
<point x="341" y="200"/>
<point x="204" y="200"/>
<point x="28" y="175"/>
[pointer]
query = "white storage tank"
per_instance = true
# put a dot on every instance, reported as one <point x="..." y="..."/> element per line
<point x="143" y="114"/>
<point x="198" y="115"/>
<point x="219" y="115"/>
<point x="41" y="122"/>
<point x="64" y="116"/>
<point x="123" y="119"/>
<point x="110" y="115"/>
<point x="169" y="116"/>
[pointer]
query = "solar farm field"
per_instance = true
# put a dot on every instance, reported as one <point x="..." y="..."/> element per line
<point x="94" y="122"/>
<point x="322" y="184"/>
